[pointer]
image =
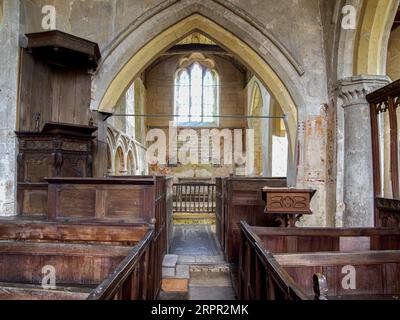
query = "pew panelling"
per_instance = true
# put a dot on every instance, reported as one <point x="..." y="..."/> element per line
<point x="240" y="198"/>
<point x="117" y="234"/>
<point x="133" y="278"/>
<point x="279" y="264"/>
<point x="74" y="263"/>
<point x="377" y="273"/>
<point x="387" y="212"/>
<point x="160" y="198"/>
<point x="81" y="266"/>
<point x="93" y="225"/>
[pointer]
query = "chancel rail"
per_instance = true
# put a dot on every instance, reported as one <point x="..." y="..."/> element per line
<point x="194" y="197"/>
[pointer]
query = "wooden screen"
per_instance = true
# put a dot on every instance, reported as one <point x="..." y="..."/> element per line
<point x="385" y="118"/>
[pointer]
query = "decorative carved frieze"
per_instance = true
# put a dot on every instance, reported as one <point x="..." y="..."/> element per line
<point x="287" y="205"/>
<point x="60" y="150"/>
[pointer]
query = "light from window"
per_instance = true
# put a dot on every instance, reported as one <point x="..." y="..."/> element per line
<point x="196" y="96"/>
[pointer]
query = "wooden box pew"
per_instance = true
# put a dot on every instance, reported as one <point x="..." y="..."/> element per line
<point x="376" y="274"/>
<point x="133" y="278"/>
<point x="240" y="198"/>
<point x="109" y="216"/>
<point x="82" y="254"/>
<point x="100" y="200"/>
<point x="279" y="264"/>
<point x="139" y="199"/>
<point x="78" y="268"/>
<point x="127" y="199"/>
<point x="98" y="270"/>
<point x="297" y="240"/>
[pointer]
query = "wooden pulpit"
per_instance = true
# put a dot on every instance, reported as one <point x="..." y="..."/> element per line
<point x="287" y="205"/>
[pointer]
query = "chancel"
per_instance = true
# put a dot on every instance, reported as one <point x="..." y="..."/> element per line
<point x="199" y="150"/>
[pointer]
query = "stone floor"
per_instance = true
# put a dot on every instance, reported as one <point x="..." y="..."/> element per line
<point x="193" y="240"/>
<point x="197" y="247"/>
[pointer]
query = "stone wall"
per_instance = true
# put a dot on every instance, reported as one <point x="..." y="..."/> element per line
<point x="9" y="60"/>
<point x="160" y="100"/>
<point x="287" y="34"/>
<point x="393" y="62"/>
<point x="160" y="91"/>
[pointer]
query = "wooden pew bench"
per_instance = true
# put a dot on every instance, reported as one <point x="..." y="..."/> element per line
<point x="75" y="265"/>
<point x="376" y="274"/>
<point x="84" y="232"/>
<point x="95" y="229"/>
<point x="82" y="254"/>
<point x="279" y="264"/>
<point x="296" y="240"/>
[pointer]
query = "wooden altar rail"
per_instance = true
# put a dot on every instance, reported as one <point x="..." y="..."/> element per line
<point x="276" y="263"/>
<point x="386" y="101"/>
<point x="194" y="197"/>
<point x="133" y="278"/>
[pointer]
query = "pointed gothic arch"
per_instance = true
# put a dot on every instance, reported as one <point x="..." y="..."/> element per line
<point x="373" y="34"/>
<point x="123" y="67"/>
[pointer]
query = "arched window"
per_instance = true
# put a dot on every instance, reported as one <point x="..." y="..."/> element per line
<point x="196" y="96"/>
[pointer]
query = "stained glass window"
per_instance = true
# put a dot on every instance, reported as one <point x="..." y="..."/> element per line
<point x="196" y="96"/>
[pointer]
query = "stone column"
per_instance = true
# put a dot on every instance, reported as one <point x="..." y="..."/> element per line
<point x="357" y="157"/>
<point x="9" y="59"/>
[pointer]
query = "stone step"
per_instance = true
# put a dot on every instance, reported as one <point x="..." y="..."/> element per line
<point x="201" y="260"/>
<point x="170" y="260"/>
<point x="194" y="219"/>
<point x="169" y="265"/>
<point x="175" y="285"/>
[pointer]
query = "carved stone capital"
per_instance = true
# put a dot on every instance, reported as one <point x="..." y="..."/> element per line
<point x="353" y="90"/>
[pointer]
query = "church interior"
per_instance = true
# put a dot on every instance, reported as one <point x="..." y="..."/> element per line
<point x="199" y="150"/>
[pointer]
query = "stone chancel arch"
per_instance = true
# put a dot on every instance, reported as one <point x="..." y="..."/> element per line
<point x="105" y="100"/>
<point x="373" y="34"/>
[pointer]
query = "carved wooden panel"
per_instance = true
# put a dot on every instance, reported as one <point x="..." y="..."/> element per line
<point x="50" y="153"/>
<point x="287" y="205"/>
<point x="388" y="212"/>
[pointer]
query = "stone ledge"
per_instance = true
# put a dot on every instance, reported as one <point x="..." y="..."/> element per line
<point x="170" y="261"/>
<point x="194" y="219"/>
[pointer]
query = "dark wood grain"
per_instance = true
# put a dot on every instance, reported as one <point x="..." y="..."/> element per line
<point x="240" y="198"/>
<point x="382" y="101"/>
<point x="281" y="264"/>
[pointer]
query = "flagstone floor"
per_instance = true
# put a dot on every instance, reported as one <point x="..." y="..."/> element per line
<point x="210" y="279"/>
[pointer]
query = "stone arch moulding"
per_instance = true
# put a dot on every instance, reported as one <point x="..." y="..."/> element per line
<point x="254" y="91"/>
<point x="119" y="160"/>
<point x="373" y="34"/>
<point x="1" y="10"/>
<point x="204" y="7"/>
<point x="130" y="162"/>
<point x="126" y="63"/>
